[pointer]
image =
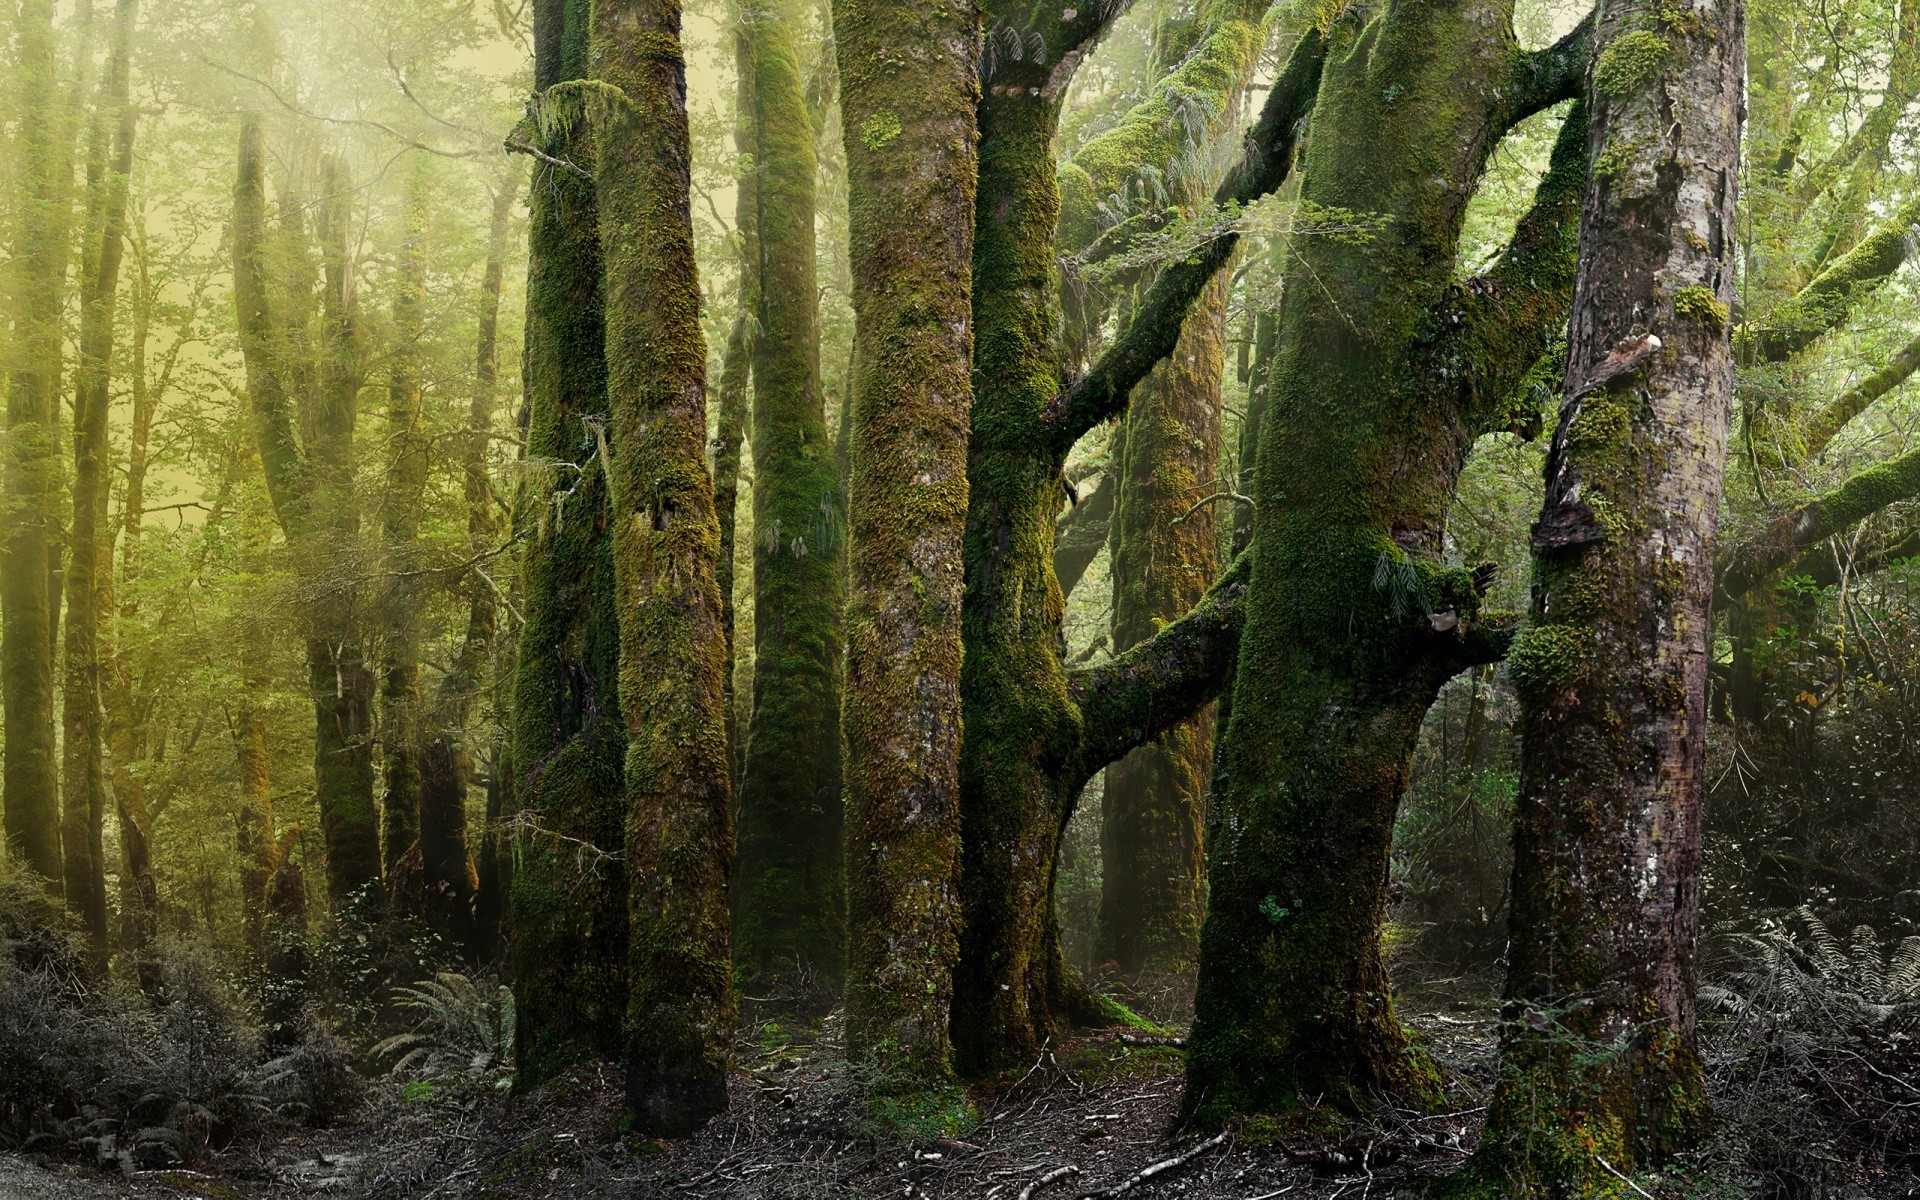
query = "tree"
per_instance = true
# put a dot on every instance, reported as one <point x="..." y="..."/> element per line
<point x="910" y="140"/>
<point x="679" y="844"/>
<point x="32" y="449"/>
<point x="789" y="910"/>
<point x="569" y="919"/>
<point x="1600" y="1070"/>
<point x="1387" y="372"/>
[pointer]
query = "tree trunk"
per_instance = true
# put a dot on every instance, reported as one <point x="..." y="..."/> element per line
<point x="791" y="900"/>
<point x="1601" y="1072"/>
<point x="1386" y="373"/>
<point x="1165" y="556"/>
<point x="569" y="906"/>
<point x="30" y="793"/>
<point x="449" y="877"/>
<point x="401" y="735"/>
<point x="89" y="566"/>
<point x="679" y="847"/>
<point x="911" y="175"/>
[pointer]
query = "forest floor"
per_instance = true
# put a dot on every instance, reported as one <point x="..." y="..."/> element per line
<point x="1093" y="1117"/>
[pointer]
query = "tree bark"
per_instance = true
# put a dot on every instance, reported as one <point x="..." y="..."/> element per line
<point x="30" y="792"/>
<point x="1600" y="1069"/>
<point x="1387" y="371"/>
<point x="790" y="907"/>
<point x="568" y="898"/>
<point x="909" y="84"/>
<point x="679" y="845"/>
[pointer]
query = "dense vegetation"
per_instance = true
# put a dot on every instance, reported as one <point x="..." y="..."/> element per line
<point x="728" y="584"/>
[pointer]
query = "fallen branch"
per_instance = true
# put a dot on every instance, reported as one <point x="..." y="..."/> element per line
<point x="1160" y="1168"/>
<point x="1058" y="1173"/>
<point x="1151" y="1039"/>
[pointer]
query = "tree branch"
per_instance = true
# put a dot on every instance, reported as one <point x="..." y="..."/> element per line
<point x="1130" y="700"/>
<point x="1103" y="391"/>
<point x="1829" y="421"/>
<point x="1827" y="301"/>
<point x="1818" y="519"/>
<point x="1545" y="77"/>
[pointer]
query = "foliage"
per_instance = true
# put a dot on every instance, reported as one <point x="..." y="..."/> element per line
<point x="462" y="1038"/>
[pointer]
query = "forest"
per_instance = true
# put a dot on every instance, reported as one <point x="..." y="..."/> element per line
<point x="960" y="598"/>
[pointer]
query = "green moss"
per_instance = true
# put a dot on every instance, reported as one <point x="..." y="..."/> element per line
<point x="1629" y="63"/>
<point x="1545" y="657"/>
<point x="879" y="130"/>
<point x="1699" y="304"/>
<point x="1616" y="159"/>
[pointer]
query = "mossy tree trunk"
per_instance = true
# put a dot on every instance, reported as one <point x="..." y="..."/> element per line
<point x="1165" y="554"/>
<point x="679" y="845"/>
<point x="1387" y="371"/>
<point x="790" y="905"/>
<point x="448" y="874"/>
<point x="89" y="562"/>
<point x="1036" y="731"/>
<point x="909" y="81"/>
<point x="407" y="451"/>
<point x="1600" y="1072"/>
<point x="31" y="789"/>
<point x="568" y="891"/>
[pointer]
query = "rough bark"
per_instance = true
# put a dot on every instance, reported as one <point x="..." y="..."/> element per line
<point x="790" y="906"/>
<point x="909" y="79"/>
<point x="407" y="448"/>
<point x="568" y="896"/>
<point x="679" y="845"/>
<point x="1600" y="1070"/>
<point x="1387" y="371"/>
<point x="30" y="793"/>
<point x="89" y="562"/>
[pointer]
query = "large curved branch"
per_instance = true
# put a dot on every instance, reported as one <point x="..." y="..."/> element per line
<point x="1818" y="519"/>
<point x="1103" y="391"/>
<point x="1829" y="421"/>
<point x="1551" y="74"/>
<point x="1828" y="300"/>
<point x="1130" y="700"/>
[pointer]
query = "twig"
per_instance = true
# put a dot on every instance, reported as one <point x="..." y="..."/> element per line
<point x="1058" y="1173"/>
<point x="1622" y="1178"/>
<point x="1201" y="503"/>
<point x="1164" y="1165"/>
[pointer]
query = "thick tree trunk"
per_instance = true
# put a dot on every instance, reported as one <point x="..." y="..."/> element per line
<point x="909" y="83"/>
<point x="569" y="907"/>
<point x="679" y="846"/>
<point x="791" y="901"/>
<point x="401" y="735"/>
<point x="1387" y="371"/>
<point x="89" y="563"/>
<point x="30" y="792"/>
<point x="1601" y="1073"/>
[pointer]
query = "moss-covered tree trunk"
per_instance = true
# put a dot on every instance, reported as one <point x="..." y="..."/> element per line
<point x="679" y="845"/>
<point x="909" y="79"/>
<point x="448" y="873"/>
<point x="89" y="542"/>
<point x="31" y="788"/>
<point x="1165" y="554"/>
<point x="568" y="891"/>
<point x="1600" y="1069"/>
<point x="1034" y="733"/>
<point x="1386" y="373"/>
<point x="790" y="904"/>
<point x="407" y="450"/>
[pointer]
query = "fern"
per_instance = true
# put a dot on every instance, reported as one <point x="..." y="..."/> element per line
<point x="464" y="1033"/>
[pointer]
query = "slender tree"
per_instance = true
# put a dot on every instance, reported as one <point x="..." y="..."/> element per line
<point x="31" y="794"/>
<point x="1600" y="1069"/>
<point x="679" y="845"/>
<point x="790" y="901"/>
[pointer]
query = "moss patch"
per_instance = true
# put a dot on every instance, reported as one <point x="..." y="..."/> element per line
<point x="1630" y="62"/>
